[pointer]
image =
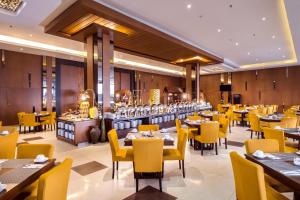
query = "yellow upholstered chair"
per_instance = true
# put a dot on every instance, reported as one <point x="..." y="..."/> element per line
<point x="29" y="121"/>
<point x="53" y="184"/>
<point x="223" y="132"/>
<point x="195" y="113"/>
<point x="278" y="135"/>
<point x="263" y="111"/>
<point x="248" y="172"/>
<point x="21" y="120"/>
<point x="216" y="117"/>
<point x="194" y="117"/>
<point x="254" y="124"/>
<point x="0" y="124"/>
<point x="150" y="127"/>
<point x="289" y="122"/>
<point x="148" y="158"/>
<point x="229" y="116"/>
<point x="267" y="146"/>
<point x="118" y="153"/>
<point x="236" y="117"/>
<point x="209" y="135"/>
<point x="189" y="131"/>
<point x="8" y="143"/>
<point x="30" y="151"/>
<point x="179" y="152"/>
<point x="50" y="120"/>
<point x="220" y="109"/>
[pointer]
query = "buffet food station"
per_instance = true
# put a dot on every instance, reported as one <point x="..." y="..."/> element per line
<point x="128" y="117"/>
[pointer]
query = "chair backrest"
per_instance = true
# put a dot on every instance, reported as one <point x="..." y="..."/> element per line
<point x="147" y="155"/>
<point x="196" y="114"/>
<point x="53" y="117"/>
<point x="54" y="183"/>
<point x="194" y="117"/>
<point x="209" y="132"/>
<point x="8" y="143"/>
<point x="151" y="127"/>
<point x="265" y="145"/>
<point x="113" y="142"/>
<point x="30" y="151"/>
<point x="220" y="108"/>
<point x="29" y="119"/>
<point x="224" y="125"/>
<point x="181" y="142"/>
<point x="0" y="124"/>
<point x="248" y="172"/>
<point x="20" y="117"/>
<point x="278" y="135"/>
<point x="178" y="124"/>
<point x="254" y="122"/>
<point x="216" y="117"/>
<point x="289" y="122"/>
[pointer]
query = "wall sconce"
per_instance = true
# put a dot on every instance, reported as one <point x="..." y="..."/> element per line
<point x="222" y="78"/>
<point x="274" y="85"/>
<point x="3" y="57"/>
<point x="229" y="78"/>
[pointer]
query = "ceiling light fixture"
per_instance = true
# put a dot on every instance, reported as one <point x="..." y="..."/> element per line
<point x="248" y="53"/>
<point x="11" y="7"/>
<point x="264" y="18"/>
<point x="219" y="30"/>
<point x="273" y="36"/>
<point x="189" y="6"/>
<point x="283" y="56"/>
<point x="279" y="48"/>
<point x="236" y="44"/>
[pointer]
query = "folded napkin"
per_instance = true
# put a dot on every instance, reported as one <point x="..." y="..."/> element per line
<point x="291" y="172"/>
<point x="33" y="166"/>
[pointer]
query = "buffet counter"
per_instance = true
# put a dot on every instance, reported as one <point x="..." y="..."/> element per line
<point x="124" y="124"/>
<point x="74" y="131"/>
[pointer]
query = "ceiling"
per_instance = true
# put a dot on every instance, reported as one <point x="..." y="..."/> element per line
<point x="247" y="34"/>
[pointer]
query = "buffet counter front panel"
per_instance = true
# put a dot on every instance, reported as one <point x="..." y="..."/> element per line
<point x="124" y="125"/>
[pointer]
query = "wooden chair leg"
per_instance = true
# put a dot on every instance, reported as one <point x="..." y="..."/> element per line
<point x="219" y="141"/>
<point x="216" y="148"/>
<point x="117" y="165"/>
<point x="179" y="164"/>
<point x="160" y="185"/>
<point x="136" y="184"/>
<point x="251" y="134"/>
<point x="113" y="170"/>
<point x="163" y="169"/>
<point x="201" y="149"/>
<point x="225" y="143"/>
<point x="183" y="171"/>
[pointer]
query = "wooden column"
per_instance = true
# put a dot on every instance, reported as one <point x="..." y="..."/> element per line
<point x="188" y="81"/>
<point x="198" y="82"/>
<point x="99" y="71"/>
<point x="90" y="78"/>
<point x="49" y="63"/>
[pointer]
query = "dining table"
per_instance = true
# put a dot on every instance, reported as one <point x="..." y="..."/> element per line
<point x="39" y="118"/>
<point x="243" y="114"/>
<point x="17" y="174"/>
<point x="293" y="133"/>
<point x="168" y="140"/>
<point x="207" y="115"/>
<point x="282" y="168"/>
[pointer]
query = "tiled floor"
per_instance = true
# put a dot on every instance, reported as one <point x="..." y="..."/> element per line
<point x="208" y="177"/>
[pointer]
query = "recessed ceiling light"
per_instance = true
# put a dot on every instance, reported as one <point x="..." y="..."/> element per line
<point x="189" y="6"/>
<point x="219" y="30"/>
<point x="279" y="48"/>
<point x="264" y="18"/>
<point x="248" y="53"/>
<point x="236" y="44"/>
<point x="21" y="49"/>
<point x="30" y="35"/>
<point x="283" y="56"/>
<point x="256" y="59"/>
<point x="273" y="36"/>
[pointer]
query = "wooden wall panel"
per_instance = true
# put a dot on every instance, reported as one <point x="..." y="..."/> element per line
<point x="16" y="94"/>
<point x="147" y="81"/>
<point x="72" y="82"/>
<point x="286" y="91"/>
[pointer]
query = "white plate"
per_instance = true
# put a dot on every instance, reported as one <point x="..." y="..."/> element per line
<point x="298" y="153"/>
<point x="3" y="187"/>
<point x="297" y="163"/>
<point x="41" y="161"/>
